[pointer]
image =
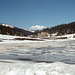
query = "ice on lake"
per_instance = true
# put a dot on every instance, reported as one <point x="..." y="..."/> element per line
<point x="48" y="51"/>
<point x="55" y="57"/>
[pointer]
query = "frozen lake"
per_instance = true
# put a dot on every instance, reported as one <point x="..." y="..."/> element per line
<point x="47" y="51"/>
<point x="55" y="57"/>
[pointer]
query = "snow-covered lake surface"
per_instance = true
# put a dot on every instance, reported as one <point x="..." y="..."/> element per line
<point x="50" y="57"/>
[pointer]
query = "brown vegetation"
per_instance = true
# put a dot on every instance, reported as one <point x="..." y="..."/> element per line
<point x="61" y="38"/>
<point x="28" y="39"/>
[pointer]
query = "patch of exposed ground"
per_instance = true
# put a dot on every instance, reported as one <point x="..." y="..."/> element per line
<point x="8" y="47"/>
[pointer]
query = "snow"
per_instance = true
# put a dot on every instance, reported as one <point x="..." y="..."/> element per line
<point x="36" y="27"/>
<point x="9" y="39"/>
<point x="7" y="25"/>
<point x="29" y="68"/>
<point x="49" y="57"/>
<point x="68" y="36"/>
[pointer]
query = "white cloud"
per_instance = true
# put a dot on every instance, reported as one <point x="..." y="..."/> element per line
<point x="37" y="27"/>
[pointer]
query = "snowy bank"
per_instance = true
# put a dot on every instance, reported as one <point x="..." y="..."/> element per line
<point x="29" y="68"/>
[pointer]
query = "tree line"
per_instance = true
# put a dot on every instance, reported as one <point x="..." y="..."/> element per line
<point x="60" y="29"/>
<point x="13" y="31"/>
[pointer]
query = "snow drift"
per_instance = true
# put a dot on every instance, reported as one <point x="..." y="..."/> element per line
<point x="27" y="68"/>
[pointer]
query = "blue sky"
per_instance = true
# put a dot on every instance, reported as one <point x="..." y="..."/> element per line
<point x="27" y="13"/>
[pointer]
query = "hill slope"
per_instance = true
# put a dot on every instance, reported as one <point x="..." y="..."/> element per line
<point x="59" y="30"/>
<point x="10" y="30"/>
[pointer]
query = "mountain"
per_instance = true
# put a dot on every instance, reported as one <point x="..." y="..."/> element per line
<point x="6" y="25"/>
<point x="58" y="30"/>
<point x="11" y="30"/>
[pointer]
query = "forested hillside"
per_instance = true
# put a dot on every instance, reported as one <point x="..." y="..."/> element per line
<point x="60" y="29"/>
<point x="9" y="30"/>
